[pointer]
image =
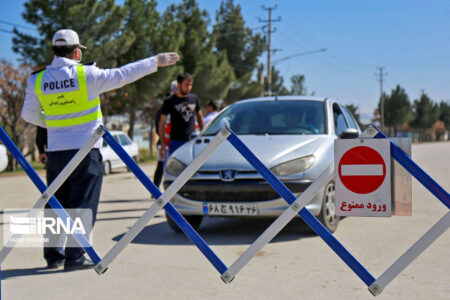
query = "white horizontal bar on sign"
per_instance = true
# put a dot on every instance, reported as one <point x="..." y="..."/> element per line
<point x="362" y="170"/>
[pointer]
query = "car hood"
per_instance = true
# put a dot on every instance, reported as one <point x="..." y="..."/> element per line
<point x="270" y="149"/>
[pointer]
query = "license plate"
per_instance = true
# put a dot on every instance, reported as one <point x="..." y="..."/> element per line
<point x="229" y="209"/>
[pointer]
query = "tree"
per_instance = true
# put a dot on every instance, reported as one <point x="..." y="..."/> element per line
<point x="298" y="85"/>
<point x="212" y="71"/>
<point x="231" y="35"/>
<point x="444" y="108"/>
<point x="150" y="34"/>
<point x="197" y="40"/>
<point x="214" y="75"/>
<point x="277" y="83"/>
<point x="397" y="109"/>
<point x="13" y="83"/>
<point x="96" y="21"/>
<point x="425" y="114"/>
<point x="244" y="88"/>
<point x="243" y="48"/>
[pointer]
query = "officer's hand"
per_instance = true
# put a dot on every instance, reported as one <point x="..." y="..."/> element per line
<point x="167" y="59"/>
<point x="43" y="158"/>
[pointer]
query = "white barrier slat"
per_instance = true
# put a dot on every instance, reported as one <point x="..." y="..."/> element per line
<point x="412" y="253"/>
<point x="278" y="224"/>
<point x="162" y="200"/>
<point x="54" y="186"/>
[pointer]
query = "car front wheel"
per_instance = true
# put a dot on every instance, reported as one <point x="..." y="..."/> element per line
<point x="106" y="168"/>
<point x="195" y="222"/>
<point x="328" y="211"/>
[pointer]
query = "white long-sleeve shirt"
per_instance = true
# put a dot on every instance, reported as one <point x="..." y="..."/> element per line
<point x="97" y="81"/>
<point x="208" y="118"/>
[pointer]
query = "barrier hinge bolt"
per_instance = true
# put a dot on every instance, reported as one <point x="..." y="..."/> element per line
<point x="44" y="196"/>
<point x="225" y="131"/>
<point x="160" y="202"/>
<point x="375" y="289"/>
<point x="226" y="277"/>
<point x="100" y="130"/>
<point x="295" y="206"/>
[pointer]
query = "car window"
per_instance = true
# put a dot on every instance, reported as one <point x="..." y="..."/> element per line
<point x="339" y="121"/>
<point x="105" y="144"/>
<point x="272" y="117"/>
<point x="349" y="118"/>
<point x="124" y="140"/>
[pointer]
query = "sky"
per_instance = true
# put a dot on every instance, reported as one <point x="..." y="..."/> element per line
<point x="409" y="39"/>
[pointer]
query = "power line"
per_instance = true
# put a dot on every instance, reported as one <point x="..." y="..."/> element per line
<point x="298" y="54"/>
<point x="17" y="25"/>
<point x="7" y="31"/>
<point x="352" y="62"/>
<point x="269" y="51"/>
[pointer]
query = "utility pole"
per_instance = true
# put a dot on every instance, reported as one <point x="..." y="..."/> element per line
<point x="269" y="49"/>
<point x="380" y="77"/>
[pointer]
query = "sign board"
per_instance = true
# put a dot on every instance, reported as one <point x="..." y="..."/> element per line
<point x="363" y="177"/>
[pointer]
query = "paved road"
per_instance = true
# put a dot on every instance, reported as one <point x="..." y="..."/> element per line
<point x="161" y="264"/>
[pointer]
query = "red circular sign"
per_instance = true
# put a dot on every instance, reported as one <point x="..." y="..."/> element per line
<point x="362" y="170"/>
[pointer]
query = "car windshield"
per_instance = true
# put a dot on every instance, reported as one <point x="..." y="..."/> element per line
<point x="271" y="117"/>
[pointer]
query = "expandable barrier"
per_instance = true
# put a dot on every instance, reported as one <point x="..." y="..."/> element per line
<point x="431" y="235"/>
<point x="296" y="206"/>
<point x="227" y="274"/>
<point x="48" y="192"/>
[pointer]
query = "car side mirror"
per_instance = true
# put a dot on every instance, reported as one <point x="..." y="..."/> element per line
<point x="349" y="133"/>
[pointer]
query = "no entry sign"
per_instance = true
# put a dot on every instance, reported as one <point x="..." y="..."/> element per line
<point x="362" y="175"/>
<point x="362" y="169"/>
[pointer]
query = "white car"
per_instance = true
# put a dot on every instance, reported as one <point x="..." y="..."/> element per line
<point x="111" y="160"/>
<point x="3" y="158"/>
<point x="292" y="135"/>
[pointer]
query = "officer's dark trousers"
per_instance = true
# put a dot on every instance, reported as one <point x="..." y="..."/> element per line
<point x="80" y="190"/>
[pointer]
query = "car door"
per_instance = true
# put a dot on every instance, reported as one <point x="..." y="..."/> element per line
<point x="3" y="158"/>
<point x="126" y="143"/>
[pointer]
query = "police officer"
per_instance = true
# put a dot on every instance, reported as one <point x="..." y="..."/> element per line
<point x="68" y="94"/>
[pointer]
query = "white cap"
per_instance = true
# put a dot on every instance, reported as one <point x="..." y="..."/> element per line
<point x="66" y="37"/>
<point x="174" y="86"/>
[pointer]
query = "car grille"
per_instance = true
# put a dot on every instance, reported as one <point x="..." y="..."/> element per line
<point x="230" y="196"/>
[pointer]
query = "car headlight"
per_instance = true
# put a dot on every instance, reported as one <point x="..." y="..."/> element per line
<point x="174" y="167"/>
<point x="294" y="166"/>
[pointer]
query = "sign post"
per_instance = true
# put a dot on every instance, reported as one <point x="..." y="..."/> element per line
<point x="363" y="178"/>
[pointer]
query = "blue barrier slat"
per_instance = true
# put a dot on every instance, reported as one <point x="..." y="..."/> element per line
<point x="315" y="225"/>
<point x="399" y="155"/>
<point x="131" y="164"/>
<point x="170" y="209"/>
<point x="337" y="247"/>
<point x="195" y="238"/>
<point x="53" y="202"/>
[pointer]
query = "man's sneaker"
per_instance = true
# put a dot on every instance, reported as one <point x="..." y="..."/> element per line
<point x="72" y="266"/>
<point x="55" y="264"/>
